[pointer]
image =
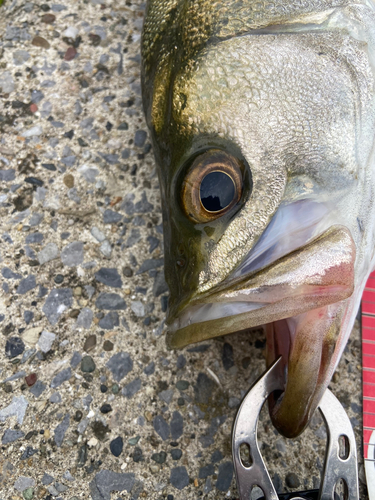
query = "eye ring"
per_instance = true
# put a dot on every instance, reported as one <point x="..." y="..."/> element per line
<point x="226" y="167"/>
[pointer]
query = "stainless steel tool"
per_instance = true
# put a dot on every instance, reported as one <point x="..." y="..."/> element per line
<point x="340" y="463"/>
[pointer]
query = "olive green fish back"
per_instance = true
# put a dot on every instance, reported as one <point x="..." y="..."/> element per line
<point x="176" y="30"/>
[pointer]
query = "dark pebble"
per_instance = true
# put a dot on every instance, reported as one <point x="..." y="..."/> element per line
<point x="206" y="471"/>
<point x="111" y="217"/>
<point x="100" y="430"/>
<point x="87" y="364"/>
<point x="120" y="365"/>
<point x="277" y="482"/>
<point x="123" y="126"/>
<point x="53" y="306"/>
<point x="292" y="480"/>
<point x="38" y="388"/>
<point x="11" y="435"/>
<point x="224" y="477"/>
<point x="179" y="477"/>
<point x="34" y="238"/>
<point x="159" y="458"/>
<point x="216" y="456"/>
<point x="31" y="379"/>
<point x="103" y="388"/>
<point x="90" y="343"/>
<point x="61" y="377"/>
<point x="59" y="278"/>
<point x="28" y="316"/>
<point x="110" y="321"/>
<point x="161" y="427"/>
<point x="106" y="408"/>
<point x="49" y="166"/>
<point x="140" y="138"/>
<point x="137" y="454"/>
<point x="82" y="456"/>
<point x="181" y="402"/>
<point x="176" y="454"/>
<point x="26" y="285"/>
<point x="116" y="446"/>
<point x="69" y="134"/>
<point x="29" y="452"/>
<point x="14" y="347"/>
<point x="127" y="272"/>
<point x="109" y="277"/>
<point x="149" y="369"/>
<point x="129" y="390"/>
<point x="182" y="385"/>
<point x="160" y="286"/>
<point x="181" y="361"/>
<point x="78" y="416"/>
<point x="110" y="302"/>
<point x="227" y="356"/>
<point x="34" y="181"/>
<point x="8" y="274"/>
<point x="108" y="345"/>
<point x="177" y="425"/>
<point x="7" y="175"/>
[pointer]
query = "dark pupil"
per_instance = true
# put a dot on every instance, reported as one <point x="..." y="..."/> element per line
<point x="216" y="191"/>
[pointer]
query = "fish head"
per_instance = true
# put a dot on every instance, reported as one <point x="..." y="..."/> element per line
<point x="264" y="147"/>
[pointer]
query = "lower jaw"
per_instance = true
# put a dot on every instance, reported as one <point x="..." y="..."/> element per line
<point x="307" y="344"/>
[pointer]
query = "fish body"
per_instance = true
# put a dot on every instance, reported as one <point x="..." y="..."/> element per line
<point x="262" y="117"/>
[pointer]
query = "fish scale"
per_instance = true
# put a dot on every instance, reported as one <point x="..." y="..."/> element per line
<point x="368" y="382"/>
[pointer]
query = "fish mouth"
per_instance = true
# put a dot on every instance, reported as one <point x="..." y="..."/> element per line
<point x="301" y="298"/>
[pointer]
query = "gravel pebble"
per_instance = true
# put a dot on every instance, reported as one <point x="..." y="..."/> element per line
<point x="107" y="481"/>
<point x="57" y="302"/>
<point x="48" y="253"/>
<point x="110" y="302"/>
<point x="14" y="347"/>
<point x="110" y="321"/>
<point x="85" y="318"/>
<point x="179" y="477"/>
<point x="72" y="254"/>
<point x="61" y="377"/>
<point x="161" y="427"/>
<point x="116" y="446"/>
<point x="26" y="285"/>
<point x="60" y="430"/>
<point x="130" y="389"/>
<point x="16" y="408"/>
<point x="87" y="364"/>
<point x="109" y="277"/>
<point x="225" y="476"/>
<point x="24" y="482"/>
<point x="11" y="435"/>
<point x="46" y="340"/>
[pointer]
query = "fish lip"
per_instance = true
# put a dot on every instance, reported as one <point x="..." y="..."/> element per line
<point x="338" y="237"/>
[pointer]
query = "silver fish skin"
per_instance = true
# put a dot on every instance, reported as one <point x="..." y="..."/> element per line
<point x="262" y="116"/>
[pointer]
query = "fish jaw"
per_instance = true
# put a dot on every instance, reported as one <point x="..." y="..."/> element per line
<point x="303" y="299"/>
<point x="307" y="344"/>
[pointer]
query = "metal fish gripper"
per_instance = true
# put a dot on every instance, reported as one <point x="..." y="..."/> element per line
<point x="337" y="466"/>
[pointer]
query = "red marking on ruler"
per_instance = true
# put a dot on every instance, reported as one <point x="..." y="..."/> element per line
<point x="368" y="361"/>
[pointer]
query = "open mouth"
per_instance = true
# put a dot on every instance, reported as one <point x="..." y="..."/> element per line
<point x="301" y="298"/>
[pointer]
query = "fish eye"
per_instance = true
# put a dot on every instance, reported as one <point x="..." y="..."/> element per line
<point x="212" y="186"/>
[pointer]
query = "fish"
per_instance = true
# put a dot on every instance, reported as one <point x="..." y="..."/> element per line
<point x="262" y="120"/>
